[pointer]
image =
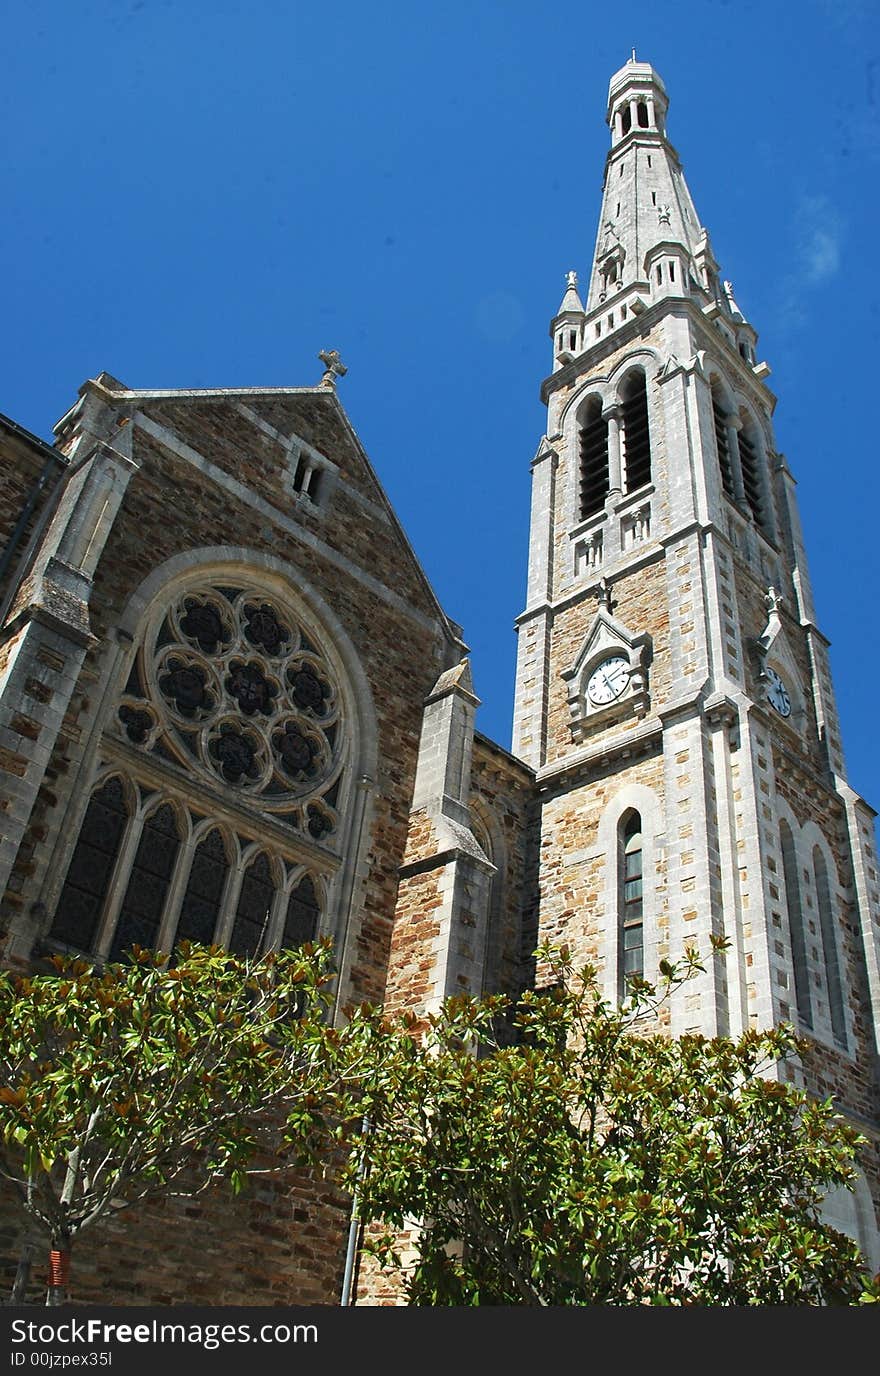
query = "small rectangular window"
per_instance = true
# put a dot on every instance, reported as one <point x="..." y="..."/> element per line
<point x="572" y="339"/>
<point x="621" y="169"/>
<point x="617" y="211"/>
<point x="598" y="328"/>
<point x="672" y="272"/>
<point x="611" y="321"/>
<point x="299" y="475"/>
<point x="649" y="159"/>
<point x="623" y="312"/>
<point x="653" y="198"/>
<point x="659" y="276"/>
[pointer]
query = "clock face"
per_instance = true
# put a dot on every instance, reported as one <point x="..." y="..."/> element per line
<point x="777" y="694"/>
<point x="608" y="680"/>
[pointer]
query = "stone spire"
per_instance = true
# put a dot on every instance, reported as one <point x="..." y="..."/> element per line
<point x="566" y="327"/>
<point x="571" y="302"/>
<point x="646" y="203"/>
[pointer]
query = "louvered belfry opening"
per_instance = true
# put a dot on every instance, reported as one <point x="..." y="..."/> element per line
<point x="636" y="435"/>
<point x="723" y="447"/>
<point x="594" y="459"/>
<point x="748" y="461"/>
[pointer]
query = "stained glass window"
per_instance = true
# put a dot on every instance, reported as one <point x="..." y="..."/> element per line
<point x="254" y="909"/>
<point x="142" y="907"/>
<point x="78" y="914"/>
<point x="204" y="891"/>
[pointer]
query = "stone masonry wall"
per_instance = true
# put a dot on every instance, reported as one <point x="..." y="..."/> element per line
<point x="283" y="1242"/>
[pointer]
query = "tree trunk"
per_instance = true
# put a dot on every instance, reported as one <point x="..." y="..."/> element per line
<point x="22" y="1275"/>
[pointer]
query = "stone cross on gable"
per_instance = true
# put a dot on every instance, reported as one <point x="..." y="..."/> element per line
<point x="334" y="365"/>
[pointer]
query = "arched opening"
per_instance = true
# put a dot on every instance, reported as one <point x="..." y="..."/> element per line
<point x="750" y="459"/>
<point x="86" y="887"/>
<point x="626" y="120"/>
<point x="631" y="944"/>
<point x="636" y="439"/>
<point x="248" y="688"/>
<point x="141" y="913"/>
<point x="725" y="462"/>
<point x="254" y="910"/>
<point x="642" y="114"/>
<point x="200" y="910"/>
<point x="303" y="915"/>
<point x="594" y="458"/>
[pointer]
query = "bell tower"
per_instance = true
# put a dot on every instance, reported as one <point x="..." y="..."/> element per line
<point x="673" y="689"/>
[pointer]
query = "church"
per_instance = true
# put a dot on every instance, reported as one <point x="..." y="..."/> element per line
<point x="232" y="709"/>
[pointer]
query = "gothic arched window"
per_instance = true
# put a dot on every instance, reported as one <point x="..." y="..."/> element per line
<point x="636" y="439"/>
<point x="829" y="948"/>
<point x="254" y="912"/>
<point x="78" y="912"/>
<point x="594" y="459"/>
<point x="796" y="925"/>
<point x="141" y="913"/>
<point x="631" y="944"/>
<point x="303" y="912"/>
<point x="200" y="909"/>
<point x="232" y="709"/>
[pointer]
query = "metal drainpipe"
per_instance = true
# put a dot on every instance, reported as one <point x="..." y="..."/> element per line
<point x="354" y="1228"/>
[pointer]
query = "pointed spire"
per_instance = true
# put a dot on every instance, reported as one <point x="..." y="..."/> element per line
<point x="646" y="207"/>
<point x="571" y="301"/>
<point x="731" y="304"/>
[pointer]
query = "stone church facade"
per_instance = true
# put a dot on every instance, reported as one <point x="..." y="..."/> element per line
<point x="233" y="709"/>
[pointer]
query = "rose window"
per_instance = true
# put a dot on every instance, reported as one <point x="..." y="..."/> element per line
<point x="229" y="683"/>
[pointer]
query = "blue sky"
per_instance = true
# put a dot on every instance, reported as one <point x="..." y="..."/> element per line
<point x="206" y="194"/>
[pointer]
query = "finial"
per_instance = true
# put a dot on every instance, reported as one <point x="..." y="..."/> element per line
<point x="633" y="58"/>
<point x="773" y="600"/>
<point x="571" y="278"/>
<point x="334" y="365"/>
<point x="602" y="593"/>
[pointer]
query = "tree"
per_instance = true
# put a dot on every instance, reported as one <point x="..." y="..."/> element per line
<point x="594" y="1161"/>
<point x="144" y="1077"/>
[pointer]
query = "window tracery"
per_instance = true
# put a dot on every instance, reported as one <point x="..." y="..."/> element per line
<point x="229" y="682"/>
<point x="230" y="688"/>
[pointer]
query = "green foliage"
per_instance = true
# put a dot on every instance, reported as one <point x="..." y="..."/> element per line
<point x="141" y="1077"/>
<point x="595" y="1162"/>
